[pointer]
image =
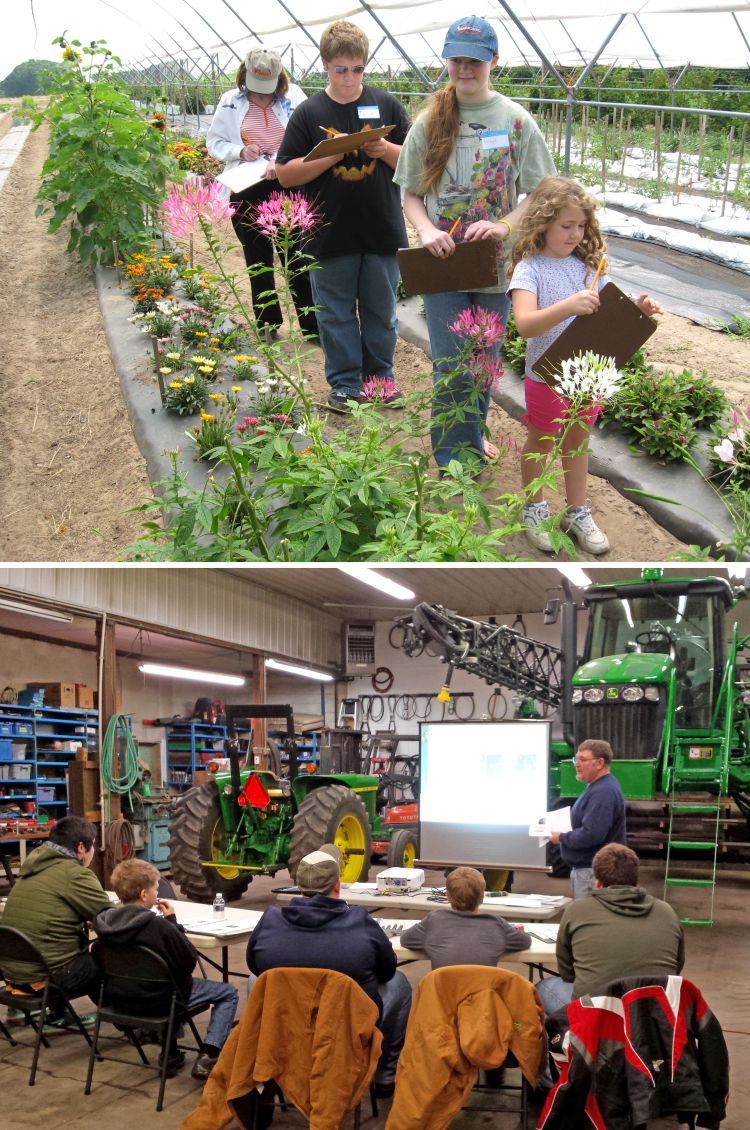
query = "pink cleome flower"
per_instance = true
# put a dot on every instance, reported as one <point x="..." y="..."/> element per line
<point x="378" y="388"/>
<point x="192" y="201"/>
<point x="480" y="329"/>
<point x="488" y="368"/>
<point x="284" y="213"/>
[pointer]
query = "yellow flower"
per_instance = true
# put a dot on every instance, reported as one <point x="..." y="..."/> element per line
<point x="215" y="340"/>
<point x="201" y="333"/>
<point x="236" y="388"/>
<point x="214" y="349"/>
<point x="165" y="371"/>
<point x="206" y="416"/>
<point x="189" y="380"/>
<point x="240" y="357"/>
<point x="70" y="55"/>
<point x="199" y="359"/>
<point x="206" y="369"/>
<point x="175" y="384"/>
<point x="216" y="396"/>
<point x="173" y="356"/>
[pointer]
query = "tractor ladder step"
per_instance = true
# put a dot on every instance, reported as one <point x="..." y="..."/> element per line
<point x="696" y="808"/>
<point x="696" y="921"/>
<point x="690" y="882"/>
<point x="694" y="845"/>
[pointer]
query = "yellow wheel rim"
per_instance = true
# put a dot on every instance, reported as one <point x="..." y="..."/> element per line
<point x="217" y="839"/>
<point x="350" y="837"/>
<point x="409" y="854"/>
<point x="496" y="880"/>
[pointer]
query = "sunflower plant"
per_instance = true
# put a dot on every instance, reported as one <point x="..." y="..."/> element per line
<point x="105" y="161"/>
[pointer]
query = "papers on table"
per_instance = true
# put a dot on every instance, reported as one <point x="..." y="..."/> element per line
<point x="360" y="888"/>
<point x="556" y="821"/>
<point x="244" y="175"/>
<point x="216" y="928"/>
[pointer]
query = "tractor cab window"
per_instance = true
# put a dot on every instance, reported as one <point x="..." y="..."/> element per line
<point x="681" y="627"/>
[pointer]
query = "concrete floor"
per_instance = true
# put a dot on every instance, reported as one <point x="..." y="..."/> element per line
<point x="717" y="960"/>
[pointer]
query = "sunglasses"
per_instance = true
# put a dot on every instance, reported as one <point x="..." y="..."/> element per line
<point x="358" y="70"/>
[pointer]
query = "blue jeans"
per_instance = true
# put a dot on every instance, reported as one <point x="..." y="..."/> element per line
<point x="581" y="881"/>
<point x="459" y="404"/>
<point x="355" y="297"/>
<point x="223" y="999"/>
<point x="396" y="997"/>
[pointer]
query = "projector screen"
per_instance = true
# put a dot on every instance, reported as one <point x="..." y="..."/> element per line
<point x="481" y="785"/>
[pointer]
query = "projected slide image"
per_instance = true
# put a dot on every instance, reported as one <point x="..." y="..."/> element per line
<point x="482" y="784"/>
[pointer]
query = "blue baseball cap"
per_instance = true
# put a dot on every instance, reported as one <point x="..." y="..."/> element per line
<point x="471" y="38"/>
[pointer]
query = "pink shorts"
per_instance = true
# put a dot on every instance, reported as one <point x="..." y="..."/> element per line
<point x="545" y="410"/>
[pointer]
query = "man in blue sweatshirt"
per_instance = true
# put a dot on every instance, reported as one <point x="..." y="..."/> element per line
<point x="320" y="931"/>
<point x="597" y="817"/>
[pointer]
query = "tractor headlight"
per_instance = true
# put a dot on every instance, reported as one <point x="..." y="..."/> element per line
<point x="593" y="694"/>
<point x="577" y="694"/>
<point x="632" y="694"/>
<point x="227" y="790"/>
<point x="653" y="694"/>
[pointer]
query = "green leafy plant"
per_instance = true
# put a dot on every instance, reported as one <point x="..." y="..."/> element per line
<point x="215" y="426"/>
<point x="739" y="326"/>
<point x="664" y="411"/>
<point x="245" y="368"/>
<point x="105" y="163"/>
<point x="514" y="346"/>
<point x="186" y="395"/>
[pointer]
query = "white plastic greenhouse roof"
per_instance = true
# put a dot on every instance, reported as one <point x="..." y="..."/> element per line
<point x="569" y="33"/>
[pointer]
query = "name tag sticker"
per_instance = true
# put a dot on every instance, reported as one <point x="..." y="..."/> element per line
<point x="495" y="139"/>
<point x="370" y="112"/>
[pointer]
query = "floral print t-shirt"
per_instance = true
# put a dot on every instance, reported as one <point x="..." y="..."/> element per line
<point x="499" y="155"/>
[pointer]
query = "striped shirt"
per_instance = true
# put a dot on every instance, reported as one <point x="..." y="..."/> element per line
<point x="260" y="125"/>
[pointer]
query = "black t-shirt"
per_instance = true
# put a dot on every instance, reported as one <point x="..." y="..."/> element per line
<point x="360" y="204"/>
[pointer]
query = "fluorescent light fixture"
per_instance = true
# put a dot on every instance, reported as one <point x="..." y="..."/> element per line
<point x="35" y="610"/>
<point x="291" y="669"/>
<point x="575" y="575"/>
<point x="737" y="570"/>
<point x="371" y="577"/>
<point x="188" y="673"/>
<point x="628" y="613"/>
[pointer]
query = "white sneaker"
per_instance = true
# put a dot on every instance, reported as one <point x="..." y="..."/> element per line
<point x="532" y="516"/>
<point x="580" y="523"/>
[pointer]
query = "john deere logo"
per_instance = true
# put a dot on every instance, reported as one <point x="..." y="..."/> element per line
<point x="612" y="692"/>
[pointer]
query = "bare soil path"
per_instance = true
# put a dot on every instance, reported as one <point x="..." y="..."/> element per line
<point x="69" y="465"/>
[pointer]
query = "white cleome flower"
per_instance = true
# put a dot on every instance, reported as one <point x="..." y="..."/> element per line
<point x="588" y="378"/>
<point x="725" y="451"/>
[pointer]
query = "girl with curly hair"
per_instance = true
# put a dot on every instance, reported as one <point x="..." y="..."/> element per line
<point x="553" y="280"/>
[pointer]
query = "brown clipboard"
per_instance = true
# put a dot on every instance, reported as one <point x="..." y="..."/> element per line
<point x="617" y="329"/>
<point x="346" y="142"/>
<point x="472" y="266"/>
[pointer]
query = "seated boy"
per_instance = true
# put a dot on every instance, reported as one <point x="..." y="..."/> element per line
<point x="464" y="935"/>
<point x="145" y="919"/>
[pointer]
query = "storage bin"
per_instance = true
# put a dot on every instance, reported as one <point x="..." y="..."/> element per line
<point x="6" y="750"/>
<point x="45" y="795"/>
<point x="19" y="751"/>
<point x="23" y="728"/>
<point x="19" y="772"/>
<point x="6" y="728"/>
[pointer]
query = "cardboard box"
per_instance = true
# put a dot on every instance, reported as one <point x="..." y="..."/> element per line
<point x="57" y="694"/>
<point x="84" y="696"/>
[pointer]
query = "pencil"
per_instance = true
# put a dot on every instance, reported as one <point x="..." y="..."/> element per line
<point x="330" y="132"/>
<point x="455" y="225"/>
<point x="602" y="261"/>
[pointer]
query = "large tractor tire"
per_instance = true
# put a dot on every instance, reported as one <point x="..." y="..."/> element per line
<point x="403" y="848"/>
<point x="196" y="831"/>
<point x="333" y="814"/>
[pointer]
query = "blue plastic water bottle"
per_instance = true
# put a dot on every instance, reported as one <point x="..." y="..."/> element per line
<point x="219" y="907"/>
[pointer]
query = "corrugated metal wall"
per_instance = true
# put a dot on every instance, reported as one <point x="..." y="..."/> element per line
<point x="208" y="602"/>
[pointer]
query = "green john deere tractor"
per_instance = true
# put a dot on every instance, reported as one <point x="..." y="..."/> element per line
<point x="662" y="677"/>
<point x="245" y="822"/>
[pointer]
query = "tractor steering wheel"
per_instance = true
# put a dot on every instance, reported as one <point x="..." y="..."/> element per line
<point x="655" y="636"/>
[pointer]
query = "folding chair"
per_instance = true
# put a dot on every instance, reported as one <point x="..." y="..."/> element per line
<point x="139" y="965"/>
<point x="15" y="946"/>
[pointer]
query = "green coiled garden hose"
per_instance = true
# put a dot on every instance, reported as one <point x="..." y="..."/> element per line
<point x="119" y="728"/>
